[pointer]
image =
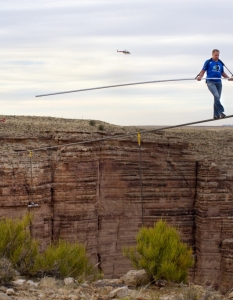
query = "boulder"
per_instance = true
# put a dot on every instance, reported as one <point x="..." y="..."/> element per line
<point x="69" y="280"/>
<point x="32" y="283"/>
<point x="19" y="281"/>
<point x="136" y="278"/>
<point x="119" y="292"/>
<point x="4" y="296"/>
<point x="138" y="295"/>
<point x="10" y="292"/>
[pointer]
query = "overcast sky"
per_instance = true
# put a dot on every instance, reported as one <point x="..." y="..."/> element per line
<point x="60" y="45"/>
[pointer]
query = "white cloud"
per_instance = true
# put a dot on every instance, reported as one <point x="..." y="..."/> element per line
<point x="53" y="46"/>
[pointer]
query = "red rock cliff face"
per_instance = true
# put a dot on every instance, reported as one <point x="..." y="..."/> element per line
<point x="92" y="192"/>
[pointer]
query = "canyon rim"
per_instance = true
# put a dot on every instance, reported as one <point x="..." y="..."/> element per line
<point x="87" y="187"/>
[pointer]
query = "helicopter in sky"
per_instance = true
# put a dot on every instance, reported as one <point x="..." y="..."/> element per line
<point x="124" y="51"/>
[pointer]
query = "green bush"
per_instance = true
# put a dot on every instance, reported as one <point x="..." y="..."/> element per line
<point x="64" y="260"/>
<point x="7" y="272"/>
<point x="16" y="243"/>
<point x="60" y="260"/>
<point x="161" y="253"/>
<point x="101" y="127"/>
<point x="92" y="122"/>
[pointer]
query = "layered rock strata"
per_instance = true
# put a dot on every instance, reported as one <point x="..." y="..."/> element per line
<point x="94" y="192"/>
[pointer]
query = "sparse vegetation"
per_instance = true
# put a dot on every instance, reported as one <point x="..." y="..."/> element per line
<point x="16" y="243"/>
<point x="92" y="122"/>
<point x="18" y="251"/>
<point x="64" y="260"/>
<point x="101" y="127"/>
<point x="195" y="292"/>
<point x="190" y="294"/>
<point x="6" y="271"/>
<point x="21" y="251"/>
<point x="161" y="253"/>
<point x="59" y="127"/>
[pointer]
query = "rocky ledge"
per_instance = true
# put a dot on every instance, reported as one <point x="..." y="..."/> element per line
<point x="93" y="184"/>
<point x="125" y="288"/>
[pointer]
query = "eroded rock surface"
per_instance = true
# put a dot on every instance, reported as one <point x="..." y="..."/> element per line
<point x="49" y="288"/>
<point x="90" y="190"/>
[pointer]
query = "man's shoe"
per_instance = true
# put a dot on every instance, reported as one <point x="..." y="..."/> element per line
<point x="222" y="115"/>
<point x="216" y="117"/>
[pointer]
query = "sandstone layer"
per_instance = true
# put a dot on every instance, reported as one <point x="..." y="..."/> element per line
<point x="98" y="187"/>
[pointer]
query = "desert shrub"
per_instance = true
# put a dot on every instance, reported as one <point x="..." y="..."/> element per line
<point x="60" y="260"/>
<point x="64" y="260"/>
<point x="101" y="127"/>
<point x="160" y="251"/>
<point x="92" y="122"/>
<point x="199" y="293"/>
<point x="190" y="294"/>
<point x="16" y="243"/>
<point x="6" y="271"/>
<point x="50" y="283"/>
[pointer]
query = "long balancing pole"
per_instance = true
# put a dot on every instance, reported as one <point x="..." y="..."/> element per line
<point x="120" y="85"/>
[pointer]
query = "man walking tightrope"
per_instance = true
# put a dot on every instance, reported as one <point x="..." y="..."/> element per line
<point x="214" y="68"/>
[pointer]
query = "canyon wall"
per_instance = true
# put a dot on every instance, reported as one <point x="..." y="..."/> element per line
<point x="94" y="193"/>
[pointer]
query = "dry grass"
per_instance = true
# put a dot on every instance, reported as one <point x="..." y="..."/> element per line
<point x="49" y="283"/>
<point x="28" y="132"/>
<point x="16" y="125"/>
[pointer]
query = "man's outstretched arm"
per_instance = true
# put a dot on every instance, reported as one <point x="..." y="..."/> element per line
<point x="201" y="74"/>
<point x="226" y="76"/>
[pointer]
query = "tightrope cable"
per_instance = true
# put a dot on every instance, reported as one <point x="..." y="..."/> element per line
<point x="124" y="135"/>
<point x="18" y="152"/>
